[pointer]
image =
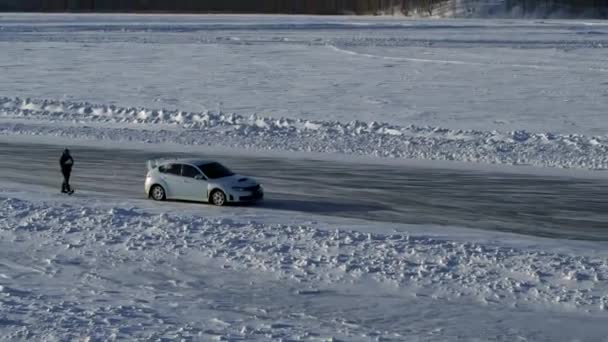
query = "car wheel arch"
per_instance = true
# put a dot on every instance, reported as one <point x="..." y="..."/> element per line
<point x="162" y="184"/>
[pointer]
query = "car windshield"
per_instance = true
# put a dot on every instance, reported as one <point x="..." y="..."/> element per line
<point x="215" y="170"/>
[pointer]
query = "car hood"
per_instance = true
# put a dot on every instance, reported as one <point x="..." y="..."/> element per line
<point x="237" y="180"/>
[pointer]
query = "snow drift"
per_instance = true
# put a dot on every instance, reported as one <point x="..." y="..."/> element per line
<point x="90" y="121"/>
<point x="77" y="237"/>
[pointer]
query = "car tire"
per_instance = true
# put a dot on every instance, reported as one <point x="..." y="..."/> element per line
<point x="157" y="193"/>
<point x="218" y="198"/>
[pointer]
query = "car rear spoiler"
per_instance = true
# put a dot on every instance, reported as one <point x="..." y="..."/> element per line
<point x="153" y="163"/>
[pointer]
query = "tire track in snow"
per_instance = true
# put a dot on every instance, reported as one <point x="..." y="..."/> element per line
<point x="454" y="62"/>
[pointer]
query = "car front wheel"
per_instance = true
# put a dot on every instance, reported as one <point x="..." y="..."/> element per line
<point x="218" y="198"/>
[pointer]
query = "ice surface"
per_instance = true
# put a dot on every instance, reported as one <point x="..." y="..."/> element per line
<point x="95" y="267"/>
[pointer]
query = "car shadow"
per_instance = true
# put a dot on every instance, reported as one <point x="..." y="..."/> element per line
<point x="315" y="206"/>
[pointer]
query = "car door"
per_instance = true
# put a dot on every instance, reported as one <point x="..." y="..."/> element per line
<point x="195" y="183"/>
<point x="171" y="175"/>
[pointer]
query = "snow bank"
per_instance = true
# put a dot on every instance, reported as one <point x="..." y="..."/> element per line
<point x="74" y="268"/>
<point x="89" y="121"/>
<point x="426" y="266"/>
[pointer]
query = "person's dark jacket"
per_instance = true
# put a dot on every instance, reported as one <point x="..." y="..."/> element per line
<point x="66" y="162"/>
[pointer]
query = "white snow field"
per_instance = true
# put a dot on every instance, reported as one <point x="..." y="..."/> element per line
<point x="101" y="267"/>
<point x="490" y="91"/>
<point x="212" y="129"/>
<point x="80" y="268"/>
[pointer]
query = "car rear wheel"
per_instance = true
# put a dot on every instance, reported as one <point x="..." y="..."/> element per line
<point x="218" y="198"/>
<point x="157" y="193"/>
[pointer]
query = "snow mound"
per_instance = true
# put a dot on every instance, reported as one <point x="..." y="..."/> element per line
<point x="425" y="266"/>
<point x="89" y="121"/>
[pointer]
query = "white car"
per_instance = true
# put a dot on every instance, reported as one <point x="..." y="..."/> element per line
<point x="199" y="180"/>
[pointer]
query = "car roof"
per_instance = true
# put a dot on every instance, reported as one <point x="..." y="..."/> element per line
<point x="188" y="161"/>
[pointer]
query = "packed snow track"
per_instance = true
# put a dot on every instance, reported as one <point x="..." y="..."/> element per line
<point x="563" y="207"/>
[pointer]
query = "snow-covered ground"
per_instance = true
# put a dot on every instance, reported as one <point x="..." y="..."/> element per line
<point x="212" y="129"/>
<point x="100" y="267"/>
<point x="510" y="92"/>
<point x="81" y="268"/>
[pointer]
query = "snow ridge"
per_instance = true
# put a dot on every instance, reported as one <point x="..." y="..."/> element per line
<point x="443" y="270"/>
<point x="89" y="121"/>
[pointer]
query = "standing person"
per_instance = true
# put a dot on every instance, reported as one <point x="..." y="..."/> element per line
<point x="66" y="163"/>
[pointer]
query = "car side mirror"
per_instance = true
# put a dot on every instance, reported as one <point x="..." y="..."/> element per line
<point x="199" y="177"/>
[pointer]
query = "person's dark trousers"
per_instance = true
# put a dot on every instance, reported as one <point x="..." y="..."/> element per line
<point x="65" y="187"/>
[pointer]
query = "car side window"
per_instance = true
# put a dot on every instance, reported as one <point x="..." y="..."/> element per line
<point x="190" y="171"/>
